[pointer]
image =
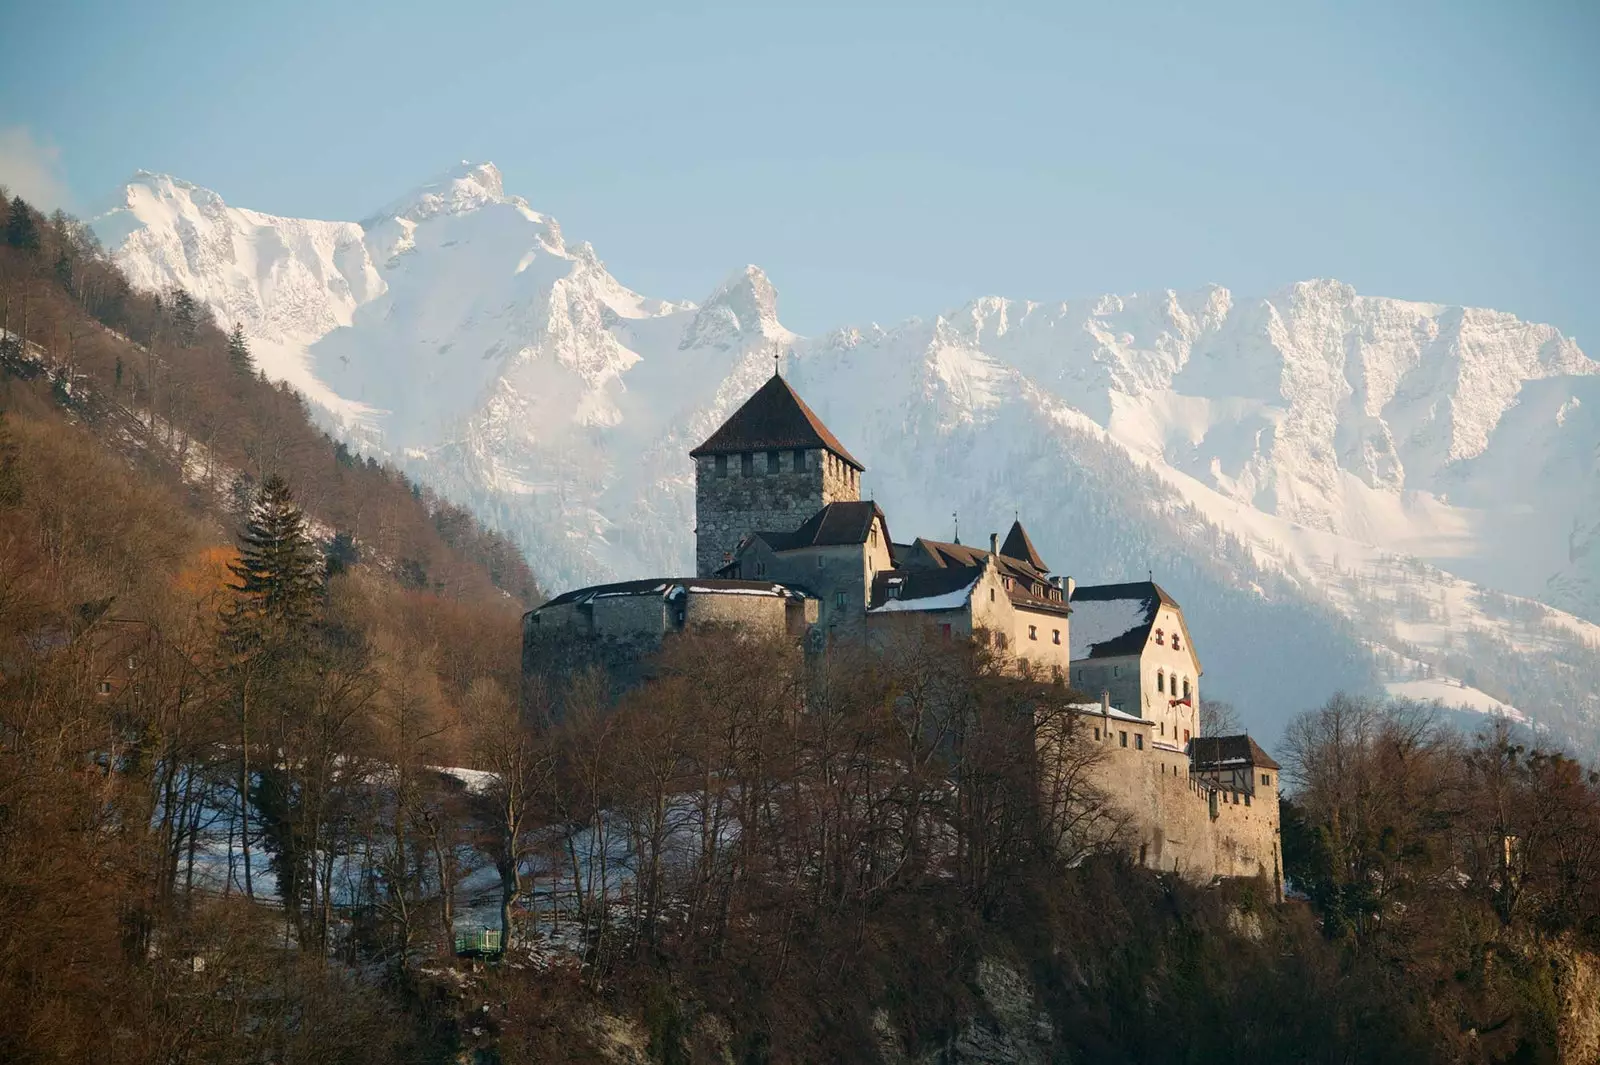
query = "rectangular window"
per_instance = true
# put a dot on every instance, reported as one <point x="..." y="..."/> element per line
<point x="722" y="465"/>
<point x="840" y="599"/>
<point x="1122" y="738"/>
<point x="1096" y="734"/>
<point x="1116" y="671"/>
<point x="1265" y="779"/>
<point x="1138" y="741"/>
<point x="772" y="462"/>
<point x="1080" y="676"/>
<point x="799" y="459"/>
<point x="105" y="687"/>
<point x="1163" y="728"/>
<point x="747" y="463"/>
<point x="761" y="568"/>
<point x="1055" y="635"/>
<point x="1033" y="632"/>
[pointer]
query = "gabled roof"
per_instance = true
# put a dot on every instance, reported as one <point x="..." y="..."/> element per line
<point x="1109" y="620"/>
<point x="834" y="525"/>
<point x="1217" y="752"/>
<point x="774" y="418"/>
<point x="1022" y="577"/>
<point x="928" y="589"/>
<point x="1018" y="546"/>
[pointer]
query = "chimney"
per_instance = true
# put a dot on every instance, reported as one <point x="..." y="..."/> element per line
<point x="1072" y="586"/>
<point x="1105" y="703"/>
<point x="994" y="543"/>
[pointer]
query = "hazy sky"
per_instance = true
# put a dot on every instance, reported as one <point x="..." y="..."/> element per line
<point x="878" y="161"/>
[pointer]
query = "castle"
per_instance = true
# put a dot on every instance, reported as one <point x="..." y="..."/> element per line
<point x="785" y="546"/>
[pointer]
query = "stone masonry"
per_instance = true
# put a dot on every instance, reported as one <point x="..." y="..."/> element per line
<point x="741" y="493"/>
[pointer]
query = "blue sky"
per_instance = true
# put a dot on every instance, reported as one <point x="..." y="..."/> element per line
<point x="879" y="161"/>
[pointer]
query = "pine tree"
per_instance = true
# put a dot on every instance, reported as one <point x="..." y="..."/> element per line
<point x="239" y="352"/>
<point x="22" y="231"/>
<point x="279" y="569"/>
<point x="186" y="316"/>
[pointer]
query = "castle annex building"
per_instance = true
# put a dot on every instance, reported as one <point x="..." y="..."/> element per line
<point x="784" y="545"/>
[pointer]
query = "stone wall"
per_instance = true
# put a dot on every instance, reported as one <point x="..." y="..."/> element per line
<point x="744" y="499"/>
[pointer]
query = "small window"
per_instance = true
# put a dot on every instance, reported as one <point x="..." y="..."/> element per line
<point x="799" y="459"/>
<point x="1160" y="639"/>
<point x="761" y="568"/>
<point x="872" y="535"/>
<point x="1177" y="642"/>
<point x="1186" y="737"/>
<point x="1038" y="589"/>
<point x="991" y="595"/>
<point x="819" y="561"/>
<point x="1097" y="734"/>
<point x="105" y="687"/>
<point x="840" y="599"/>
<point x="1080" y="676"/>
<point x="1116" y="671"/>
<point x="722" y="465"/>
<point x="1161" y="681"/>
<point x="747" y="463"/>
<point x="1122" y="738"/>
<point x="944" y="630"/>
<point x="772" y="462"/>
<point x="1186" y="687"/>
<point x="1055" y="635"/>
<point x="1033" y="632"/>
<point x="1138" y="741"/>
<point x="894" y="591"/>
<point x="1163" y="728"/>
<point x="1266" y="779"/>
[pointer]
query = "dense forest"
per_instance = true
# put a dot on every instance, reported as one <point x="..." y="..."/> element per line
<point x="234" y="658"/>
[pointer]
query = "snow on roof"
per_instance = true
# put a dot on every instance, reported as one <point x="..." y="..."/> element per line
<point x="1100" y="621"/>
<point x="947" y="601"/>
<point x="1098" y="710"/>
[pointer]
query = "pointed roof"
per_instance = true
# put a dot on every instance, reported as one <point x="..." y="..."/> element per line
<point x="1018" y="546"/>
<point x="775" y="418"/>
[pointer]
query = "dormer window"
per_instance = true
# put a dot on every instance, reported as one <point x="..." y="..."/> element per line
<point x="894" y="591"/>
<point x="1038" y="589"/>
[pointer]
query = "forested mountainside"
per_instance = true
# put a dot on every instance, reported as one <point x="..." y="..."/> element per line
<point x="232" y="657"/>
<point x="1413" y="487"/>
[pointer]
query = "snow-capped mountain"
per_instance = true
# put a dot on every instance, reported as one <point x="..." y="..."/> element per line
<point x="1343" y="490"/>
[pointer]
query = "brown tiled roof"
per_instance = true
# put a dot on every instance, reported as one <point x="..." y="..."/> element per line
<point x="775" y="418"/>
<point x="936" y="554"/>
<point x="832" y="526"/>
<point x="920" y="584"/>
<point x="1218" y="751"/>
<point x="1018" y="546"/>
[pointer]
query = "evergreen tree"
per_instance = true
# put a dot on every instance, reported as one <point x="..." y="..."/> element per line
<point x="342" y="553"/>
<point x="279" y="570"/>
<point x="22" y="231"/>
<point x="186" y="316"/>
<point x="239" y="352"/>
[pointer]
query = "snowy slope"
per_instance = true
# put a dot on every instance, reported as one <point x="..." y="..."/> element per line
<point x="1341" y="489"/>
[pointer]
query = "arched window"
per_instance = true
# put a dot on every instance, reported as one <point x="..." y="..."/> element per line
<point x="1161" y="681"/>
<point x="1186" y="687"/>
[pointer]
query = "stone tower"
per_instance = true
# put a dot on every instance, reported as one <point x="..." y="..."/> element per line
<point x="772" y="465"/>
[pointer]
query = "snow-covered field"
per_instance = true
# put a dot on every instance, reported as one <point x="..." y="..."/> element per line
<point x="1342" y="490"/>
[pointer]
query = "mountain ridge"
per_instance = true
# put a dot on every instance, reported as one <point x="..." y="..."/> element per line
<point x="1315" y="425"/>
